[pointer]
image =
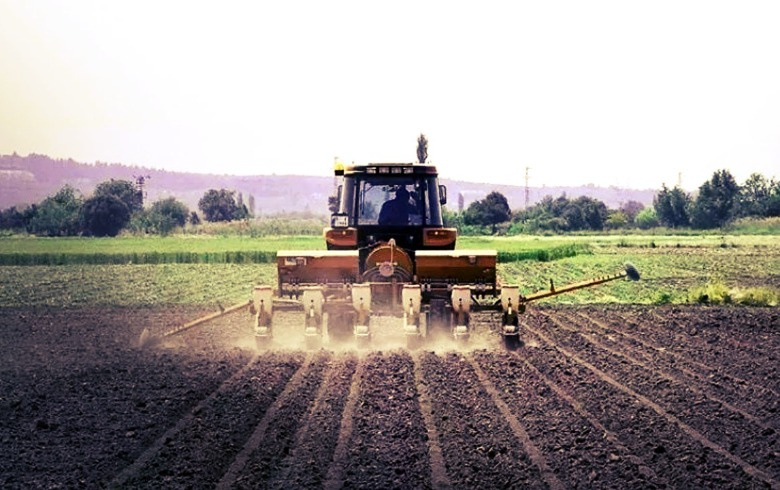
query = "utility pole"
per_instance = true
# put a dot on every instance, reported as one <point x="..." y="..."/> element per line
<point x="527" y="191"/>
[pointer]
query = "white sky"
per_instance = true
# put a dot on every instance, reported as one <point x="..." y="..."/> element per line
<point x="611" y="93"/>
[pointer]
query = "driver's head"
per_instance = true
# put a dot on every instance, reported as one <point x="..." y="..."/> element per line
<point x="402" y="193"/>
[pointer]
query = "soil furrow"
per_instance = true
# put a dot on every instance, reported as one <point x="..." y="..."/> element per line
<point x="718" y="421"/>
<point x="705" y="323"/>
<point x="315" y="441"/>
<point x="79" y="403"/>
<point x="529" y="447"/>
<point x="479" y="448"/>
<point x="643" y="470"/>
<point x="388" y="446"/>
<point x="690" y="381"/>
<point x="132" y="471"/>
<point x="334" y="479"/>
<point x="714" y="377"/>
<point x="705" y="339"/>
<point x="581" y="450"/>
<point x="690" y="348"/>
<point x="271" y="433"/>
<point x="439" y="478"/>
<point x="202" y="450"/>
<point x="671" y="420"/>
<point x="619" y="397"/>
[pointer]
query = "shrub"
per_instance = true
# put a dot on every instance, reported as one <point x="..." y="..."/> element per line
<point x="166" y="215"/>
<point x="716" y="293"/>
<point x="757" y="297"/>
<point x="58" y="215"/>
<point x="646" y="219"/>
<point x="663" y="298"/>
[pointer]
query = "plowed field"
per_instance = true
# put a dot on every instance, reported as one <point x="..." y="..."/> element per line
<point x="597" y="397"/>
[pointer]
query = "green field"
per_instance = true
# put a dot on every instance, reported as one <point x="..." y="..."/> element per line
<point x="189" y="249"/>
<point x="103" y="272"/>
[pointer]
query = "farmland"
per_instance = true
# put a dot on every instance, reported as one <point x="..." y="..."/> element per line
<point x="222" y="270"/>
<point x="627" y="385"/>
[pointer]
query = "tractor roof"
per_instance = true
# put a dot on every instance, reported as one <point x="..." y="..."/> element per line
<point x="386" y="169"/>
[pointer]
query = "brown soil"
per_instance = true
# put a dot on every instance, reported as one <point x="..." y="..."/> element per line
<point x="597" y="397"/>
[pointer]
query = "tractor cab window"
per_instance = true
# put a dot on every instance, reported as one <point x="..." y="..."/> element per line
<point x="396" y="202"/>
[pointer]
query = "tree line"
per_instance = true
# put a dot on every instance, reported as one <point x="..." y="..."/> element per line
<point x="116" y="205"/>
<point x="718" y="201"/>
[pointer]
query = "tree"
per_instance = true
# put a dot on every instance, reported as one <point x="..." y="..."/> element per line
<point x="105" y="215"/>
<point x="221" y="205"/>
<point x="716" y="203"/>
<point x="58" y="215"/>
<point x="594" y="212"/>
<point x="124" y="190"/>
<point x="12" y="219"/>
<point x="773" y="205"/>
<point x="167" y="214"/>
<point x="671" y="207"/>
<point x="491" y="211"/>
<point x="564" y="214"/>
<point x="646" y="219"/>
<point x="617" y="219"/>
<point x="422" y="148"/>
<point x="630" y="209"/>
<point x="755" y="196"/>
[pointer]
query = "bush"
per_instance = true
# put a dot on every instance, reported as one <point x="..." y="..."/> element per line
<point x="713" y="293"/>
<point x="105" y="215"/>
<point x="646" y="219"/>
<point x="717" y="293"/>
<point x="663" y="298"/>
<point x="58" y="215"/>
<point x="757" y="297"/>
<point x="166" y="215"/>
<point x="617" y="220"/>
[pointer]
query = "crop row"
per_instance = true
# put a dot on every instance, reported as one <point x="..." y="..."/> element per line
<point x="666" y="273"/>
<point x="126" y="285"/>
<point x="515" y="247"/>
<point x="230" y="257"/>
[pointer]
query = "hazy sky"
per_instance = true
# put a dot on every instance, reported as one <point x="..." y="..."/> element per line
<point x="611" y="93"/>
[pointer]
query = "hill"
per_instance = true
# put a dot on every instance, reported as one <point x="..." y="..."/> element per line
<point x="30" y="179"/>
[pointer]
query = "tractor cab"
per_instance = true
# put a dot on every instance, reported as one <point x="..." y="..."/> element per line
<point x="396" y="201"/>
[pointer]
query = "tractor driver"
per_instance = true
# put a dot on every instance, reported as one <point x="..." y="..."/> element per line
<point x="396" y="211"/>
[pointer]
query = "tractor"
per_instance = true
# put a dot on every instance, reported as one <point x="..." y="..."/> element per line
<point x="389" y="254"/>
